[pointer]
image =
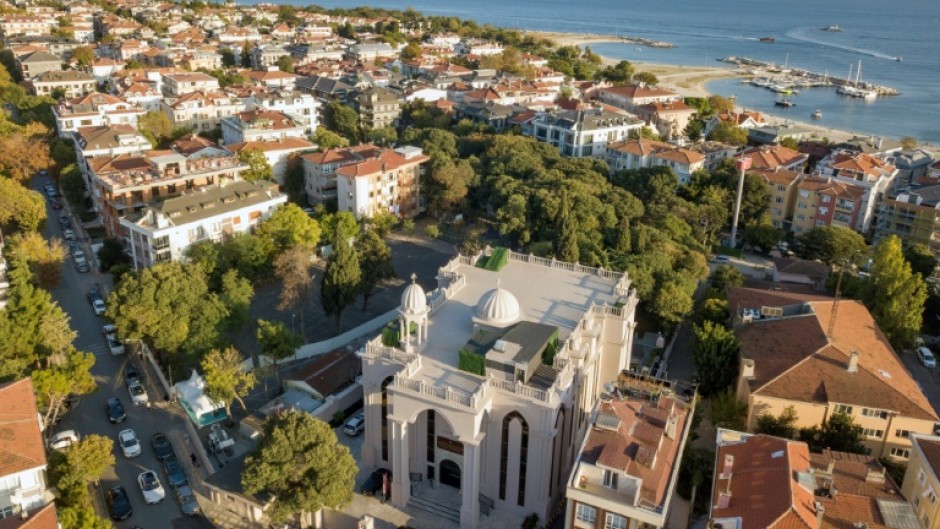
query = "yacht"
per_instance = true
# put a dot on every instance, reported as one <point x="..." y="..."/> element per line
<point x="854" y="88"/>
<point x="833" y="29"/>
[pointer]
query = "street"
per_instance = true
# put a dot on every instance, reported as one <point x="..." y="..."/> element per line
<point x="89" y="415"/>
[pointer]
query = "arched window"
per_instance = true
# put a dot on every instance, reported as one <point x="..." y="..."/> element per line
<point x="385" y="384"/>
<point x="523" y="456"/>
<point x="558" y="457"/>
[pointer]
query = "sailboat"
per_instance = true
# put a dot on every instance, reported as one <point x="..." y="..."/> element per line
<point x="852" y="89"/>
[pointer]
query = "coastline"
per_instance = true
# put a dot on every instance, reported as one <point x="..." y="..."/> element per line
<point x="690" y="81"/>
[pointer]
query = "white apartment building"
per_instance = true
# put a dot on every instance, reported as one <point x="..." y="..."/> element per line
<point x="23" y="493"/>
<point x="631" y="96"/>
<point x="236" y="35"/>
<point x="581" y="133"/>
<point x="27" y="26"/>
<point x="106" y="140"/>
<point x="163" y="231"/>
<point x="388" y="183"/>
<point x="69" y="83"/>
<point x="300" y="107"/>
<point x="94" y="110"/>
<point x="320" y="169"/>
<point x="260" y="125"/>
<point x="175" y="85"/>
<point x="201" y="110"/>
<point x="873" y="174"/>
<point x="488" y="393"/>
<point x="634" y="154"/>
<point x="267" y="55"/>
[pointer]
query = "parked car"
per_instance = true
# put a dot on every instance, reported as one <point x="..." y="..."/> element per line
<point x="108" y="328"/>
<point x="138" y="393"/>
<point x="56" y="203"/>
<point x="175" y="477"/>
<point x="115" y="410"/>
<point x="187" y="500"/>
<point x="150" y="487"/>
<point x="51" y="191"/>
<point x="68" y="234"/>
<point x="63" y="439"/>
<point x="161" y="447"/>
<point x="131" y="374"/>
<point x="65" y="221"/>
<point x="926" y="357"/>
<point x="96" y="302"/>
<point x="119" y="505"/>
<point x="355" y="424"/>
<point x="129" y="442"/>
<point x="373" y="485"/>
<point x="81" y="265"/>
<point x="114" y="345"/>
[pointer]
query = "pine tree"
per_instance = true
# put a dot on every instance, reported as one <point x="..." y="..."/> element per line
<point x="341" y="279"/>
<point x="375" y="262"/>
<point x="895" y="295"/>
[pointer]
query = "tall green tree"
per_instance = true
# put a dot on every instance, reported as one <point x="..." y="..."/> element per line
<point x="715" y="353"/>
<point x="834" y="245"/>
<point x="342" y="120"/>
<point x="838" y="433"/>
<point x="155" y="126"/>
<point x="294" y="269"/>
<point x="783" y="425"/>
<point x="727" y="132"/>
<point x="285" y="64"/>
<point x="341" y="280"/>
<point x="258" y="167"/>
<point x="277" y="341"/>
<point x="671" y="303"/>
<point x="375" y="262"/>
<point x="23" y="206"/>
<point x="66" y="374"/>
<point x="922" y="261"/>
<point x="300" y="463"/>
<point x="727" y="276"/>
<point x="895" y="295"/>
<point x="235" y="293"/>
<point x="726" y="410"/>
<point x="289" y="226"/>
<point x="226" y="379"/>
<point x="327" y="139"/>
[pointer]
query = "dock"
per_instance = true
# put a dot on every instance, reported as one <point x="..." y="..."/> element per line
<point x="798" y="77"/>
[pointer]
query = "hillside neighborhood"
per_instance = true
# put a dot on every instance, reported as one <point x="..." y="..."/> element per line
<point x="271" y="266"/>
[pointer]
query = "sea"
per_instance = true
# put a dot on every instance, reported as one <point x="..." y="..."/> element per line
<point x="875" y="32"/>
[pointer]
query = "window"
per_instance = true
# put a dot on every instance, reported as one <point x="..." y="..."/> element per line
<point x="585" y="513"/>
<point x="871" y="412"/>
<point x="781" y="188"/>
<point x="904" y="434"/>
<point x="384" y="417"/>
<point x="778" y="200"/>
<point x="610" y="479"/>
<point x="842" y="408"/>
<point x="615" y="521"/>
<point x="869" y="432"/>
<point x="902" y="453"/>
<point x="921" y="477"/>
<point x="6" y="512"/>
<point x="523" y="456"/>
<point x="825" y="199"/>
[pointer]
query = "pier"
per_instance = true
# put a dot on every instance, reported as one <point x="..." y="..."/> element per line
<point x="798" y="77"/>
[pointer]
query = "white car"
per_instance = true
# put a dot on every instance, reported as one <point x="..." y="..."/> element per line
<point x="130" y="445"/>
<point x="138" y="393"/>
<point x="69" y="234"/>
<point x="99" y="306"/>
<point x="63" y="439"/>
<point x="150" y="487"/>
<point x="355" y="424"/>
<point x="926" y="357"/>
<point x="108" y="329"/>
<point x="115" y="345"/>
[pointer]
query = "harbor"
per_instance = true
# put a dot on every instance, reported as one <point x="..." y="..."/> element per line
<point x="785" y="79"/>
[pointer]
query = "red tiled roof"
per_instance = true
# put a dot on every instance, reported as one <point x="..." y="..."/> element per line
<point x="21" y="446"/>
<point x="269" y="146"/>
<point x="772" y="156"/>
<point x="43" y="518"/>
<point x="635" y="91"/>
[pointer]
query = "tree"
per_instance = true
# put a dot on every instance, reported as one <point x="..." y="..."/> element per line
<point x="155" y="126"/>
<point x="43" y="257"/>
<point x="375" y="262"/>
<point x="671" y="303"/>
<point x="226" y="379"/>
<point x="783" y="425"/>
<point x="85" y="462"/>
<point x="294" y="180"/>
<point x="383" y="137"/>
<point x="342" y="120"/>
<point x="714" y="310"/>
<point x="908" y="143"/>
<point x="300" y="463"/>
<point x="340" y="226"/>
<point x="25" y="207"/>
<point x="727" y="276"/>
<point x="228" y="58"/>
<point x="327" y="139"/>
<point x="341" y="280"/>
<point x="72" y="184"/>
<point x="834" y="245"/>
<point x="258" y="167"/>
<point x="285" y="64"/>
<point x="716" y="357"/>
<point x="838" y="433"/>
<point x="111" y="254"/>
<point x="277" y="341"/>
<point x="725" y="410"/>
<point x="23" y="155"/>
<point x="727" y="132"/>
<point x="762" y="236"/>
<point x="646" y="77"/>
<point x="236" y="293"/>
<point x="922" y="261"/>
<point x="69" y="373"/>
<point x="294" y="269"/>
<point x="789" y="142"/>
<point x="83" y="55"/>
<point x="720" y="105"/>
<point x="245" y="58"/>
<point x="447" y="185"/>
<point x="895" y="295"/>
<point x="290" y="226"/>
<point x="620" y="73"/>
<point x="411" y="52"/>
<point x="382" y="223"/>
<point x="81" y="516"/>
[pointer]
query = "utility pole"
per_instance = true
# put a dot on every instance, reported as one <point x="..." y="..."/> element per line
<point x="742" y="164"/>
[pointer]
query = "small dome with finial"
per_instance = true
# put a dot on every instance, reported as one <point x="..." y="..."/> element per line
<point x="413" y="299"/>
<point x="497" y="308"/>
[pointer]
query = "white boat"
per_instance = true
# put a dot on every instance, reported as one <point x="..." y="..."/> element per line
<point x="816" y="114"/>
<point x="833" y="29"/>
<point x="853" y="89"/>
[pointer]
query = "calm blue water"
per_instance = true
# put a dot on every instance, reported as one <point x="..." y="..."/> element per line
<point x="875" y="31"/>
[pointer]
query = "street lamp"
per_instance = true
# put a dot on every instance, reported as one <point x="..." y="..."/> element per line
<point x="742" y="164"/>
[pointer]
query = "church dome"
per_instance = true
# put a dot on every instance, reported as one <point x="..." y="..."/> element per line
<point x="413" y="299"/>
<point x="497" y="308"/>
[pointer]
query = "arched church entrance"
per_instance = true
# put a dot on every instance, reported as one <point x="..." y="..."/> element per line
<point x="449" y="473"/>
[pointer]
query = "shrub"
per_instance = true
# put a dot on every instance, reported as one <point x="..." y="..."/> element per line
<point x="497" y="260"/>
<point x="432" y="231"/>
<point x="472" y="362"/>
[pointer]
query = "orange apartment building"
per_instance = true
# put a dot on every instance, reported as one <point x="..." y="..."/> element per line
<point x="389" y="182"/>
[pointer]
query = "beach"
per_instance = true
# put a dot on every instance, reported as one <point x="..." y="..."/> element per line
<point x="689" y="81"/>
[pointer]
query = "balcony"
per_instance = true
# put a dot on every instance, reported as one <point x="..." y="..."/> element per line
<point x="590" y="479"/>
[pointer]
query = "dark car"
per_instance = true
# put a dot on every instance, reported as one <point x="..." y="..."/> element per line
<point x="373" y="485"/>
<point x="119" y="506"/>
<point x="131" y="374"/>
<point x="115" y="410"/>
<point x="187" y="500"/>
<point x="162" y="447"/>
<point x="56" y="204"/>
<point x="175" y="477"/>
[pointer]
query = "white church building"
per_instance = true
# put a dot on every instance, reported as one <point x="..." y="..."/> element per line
<point x="487" y="398"/>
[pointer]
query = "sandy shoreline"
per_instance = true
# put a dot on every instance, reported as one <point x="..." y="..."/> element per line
<point x="688" y="81"/>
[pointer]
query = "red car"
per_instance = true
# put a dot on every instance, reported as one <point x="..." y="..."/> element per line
<point x="57" y="204"/>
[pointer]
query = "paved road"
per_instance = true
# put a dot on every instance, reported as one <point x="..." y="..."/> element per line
<point x="89" y="415"/>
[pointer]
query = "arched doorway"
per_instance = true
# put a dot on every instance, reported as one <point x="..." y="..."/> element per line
<point x="450" y="473"/>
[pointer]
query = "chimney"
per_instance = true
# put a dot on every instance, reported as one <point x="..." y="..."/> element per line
<point x="853" y="363"/>
<point x="820" y="511"/>
<point x="729" y="465"/>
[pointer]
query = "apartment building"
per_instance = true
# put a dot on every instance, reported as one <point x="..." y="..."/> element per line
<point x="276" y="152"/>
<point x="267" y="55"/>
<point x="581" y="133"/>
<point x="106" y="140"/>
<point x="201" y="110"/>
<point x="125" y="184"/>
<point x="389" y="182"/>
<point x="921" y="485"/>
<point x="914" y="216"/>
<point x="24" y="500"/>
<point x="94" y="110"/>
<point x="768" y="482"/>
<point x="68" y="83"/>
<point x="828" y="202"/>
<point x="27" y="26"/>
<point x="783" y="186"/>
<point x="177" y="84"/>
<point x="798" y="350"/>
<point x="630" y="97"/>
<point x="162" y="231"/>
<point x="38" y="62"/>
<point x="237" y="35"/>
<point x="260" y="125"/>
<point x="637" y="153"/>
<point x="745" y="119"/>
<point x="774" y="157"/>
<point x="668" y="119"/>
<point x="626" y="471"/>
<point x="320" y="169"/>
<point x="874" y="175"/>
<point x="378" y="108"/>
<point x="302" y="108"/>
